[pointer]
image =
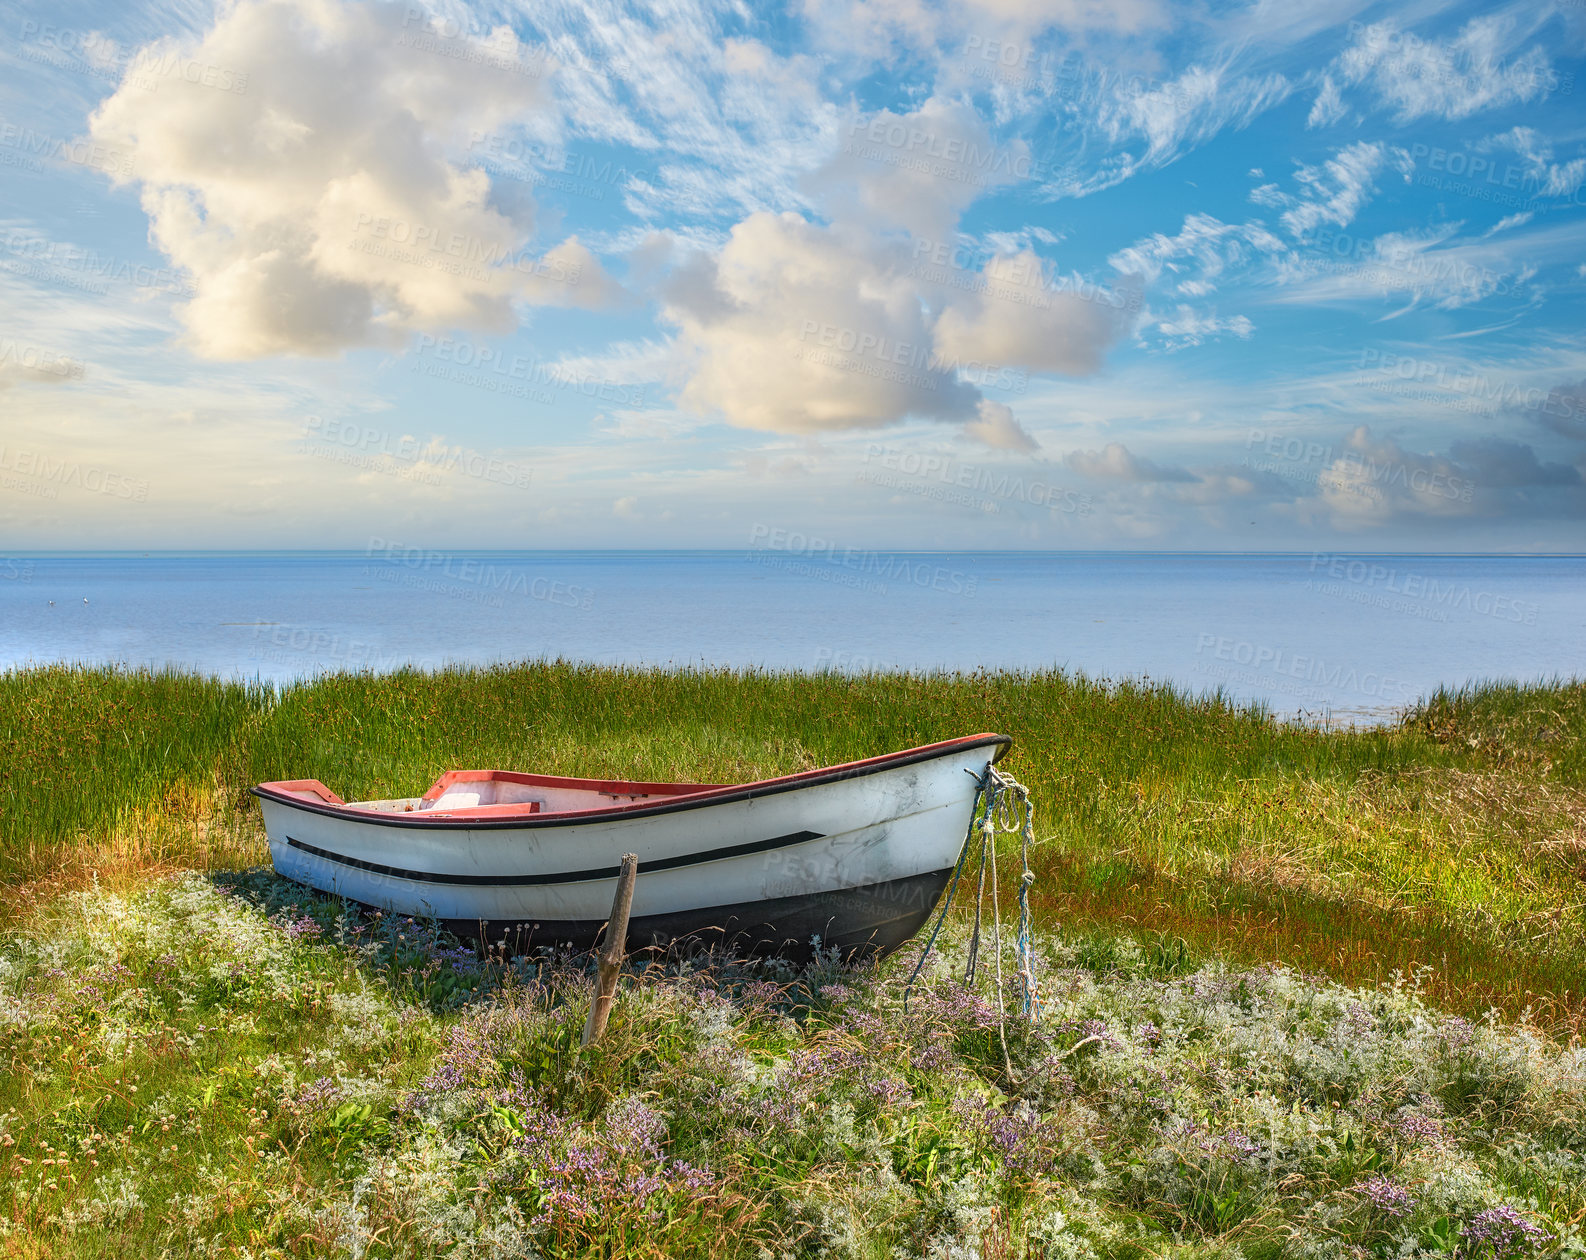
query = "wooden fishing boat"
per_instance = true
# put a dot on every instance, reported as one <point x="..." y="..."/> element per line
<point x="854" y="856"/>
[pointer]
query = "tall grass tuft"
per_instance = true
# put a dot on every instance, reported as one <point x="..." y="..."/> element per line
<point x="1450" y="845"/>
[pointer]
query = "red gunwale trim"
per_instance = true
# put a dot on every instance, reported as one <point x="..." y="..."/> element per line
<point x="639" y="809"/>
<point x="309" y="785"/>
<point x="611" y="787"/>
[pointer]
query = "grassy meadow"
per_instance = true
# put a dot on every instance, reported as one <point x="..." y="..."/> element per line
<point x="1307" y="991"/>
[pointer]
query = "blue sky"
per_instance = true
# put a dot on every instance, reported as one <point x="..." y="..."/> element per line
<point x="976" y="274"/>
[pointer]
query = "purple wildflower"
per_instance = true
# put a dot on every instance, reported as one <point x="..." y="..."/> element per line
<point x="1386" y="1195"/>
<point x="959" y="1008"/>
<point x="935" y="1054"/>
<point x="466" y="1058"/>
<point x="1241" y="1145"/>
<point x="632" y="1128"/>
<point x="887" y="1092"/>
<point x="1501" y="1232"/>
<point x="1415" y="1128"/>
<point x="1099" y="1030"/>
<point x="321" y="1095"/>
<point x="302" y="928"/>
<point x="96" y="984"/>
<point x="1020" y="1139"/>
<point x="1458" y="1033"/>
<point x="620" y="1170"/>
<point x="761" y="995"/>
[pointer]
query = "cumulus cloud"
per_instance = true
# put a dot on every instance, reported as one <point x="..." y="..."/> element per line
<point x="1115" y="462"/>
<point x="306" y="184"/>
<point x="1376" y="481"/>
<point x="995" y="426"/>
<point x="1019" y="316"/>
<point x="795" y="328"/>
<point x="917" y="171"/>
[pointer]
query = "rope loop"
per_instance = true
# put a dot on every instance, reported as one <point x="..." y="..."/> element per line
<point x="1002" y="805"/>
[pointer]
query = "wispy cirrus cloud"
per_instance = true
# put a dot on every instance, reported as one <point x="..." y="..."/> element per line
<point x="1331" y="192"/>
<point x="1148" y="127"/>
<point x="1488" y="64"/>
<point x="1196" y="257"/>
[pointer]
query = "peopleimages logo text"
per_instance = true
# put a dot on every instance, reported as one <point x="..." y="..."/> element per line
<point x="1456" y="595"/>
<point x="502" y="579"/>
<point x="992" y="482"/>
<point x="1309" y="669"/>
<point x="916" y="355"/>
<point x="864" y="563"/>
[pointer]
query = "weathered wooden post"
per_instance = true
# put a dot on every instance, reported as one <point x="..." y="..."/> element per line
<point x="612" y="951"/>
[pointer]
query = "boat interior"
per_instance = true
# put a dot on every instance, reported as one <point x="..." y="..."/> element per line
<point x="498" y="793"/>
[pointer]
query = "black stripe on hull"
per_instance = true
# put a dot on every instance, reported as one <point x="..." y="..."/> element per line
<point x="557" y="877"/>
<point x="864" y="922"/>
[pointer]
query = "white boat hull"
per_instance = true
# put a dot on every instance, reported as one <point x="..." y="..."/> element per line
<point x="855" y="856"/>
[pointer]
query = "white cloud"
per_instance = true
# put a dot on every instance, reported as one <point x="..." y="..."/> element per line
<point x="1192" y="106"/>
<point x="1018" y="316"/>
<point x="23" y="362"/>
<point x="1480" y="68"/>
<point x="1170" y="117"/>
<point x="917" y="171"/>
<point x="795" y="328"/>
<point x="1198" y="254"/>
<point x="879" y="29"/>
<point x="1544" y="177"/>
<point x="1030" y="16"/>
<point x="316" y="207"/>
<point x="871" y="30"/>
<point x="1115" y="462"/>
<point x="1434" y="265"/>
<point x="724" y="125"/>
<point x="1333" y="192"/>
<point x="995" y="427"/>
<point x="1377" y="481"/>
<point x="1188" y="327"/>
<point x="1510" y="221"/>
<point x="1328" y="107"/>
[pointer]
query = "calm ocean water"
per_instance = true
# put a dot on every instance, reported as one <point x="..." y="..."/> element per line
<point x="1314" y="634"/>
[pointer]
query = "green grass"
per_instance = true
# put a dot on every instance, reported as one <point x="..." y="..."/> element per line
<point x="1452" y="842"/>
<point x="226" y="1065"/>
